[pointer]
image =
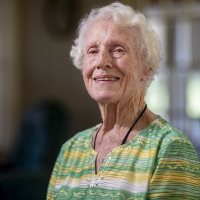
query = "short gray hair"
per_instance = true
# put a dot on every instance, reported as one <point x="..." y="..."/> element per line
<point x="125" y="16"/>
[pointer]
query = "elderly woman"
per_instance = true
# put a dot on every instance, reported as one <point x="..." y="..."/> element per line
<point x="133" y="153"/>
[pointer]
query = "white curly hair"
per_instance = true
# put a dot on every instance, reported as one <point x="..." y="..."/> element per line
<point x="123" y="15"/>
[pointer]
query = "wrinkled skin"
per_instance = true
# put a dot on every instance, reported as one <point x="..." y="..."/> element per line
<point x="115" y="77"/>
<point x="112" y="69"/>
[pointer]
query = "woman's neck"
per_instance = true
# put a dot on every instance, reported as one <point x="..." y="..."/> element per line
<point x="121" y="114"/>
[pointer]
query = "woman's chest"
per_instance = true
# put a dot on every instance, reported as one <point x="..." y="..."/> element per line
<point x="126" y="163"/>
<point x="124" y="169"/>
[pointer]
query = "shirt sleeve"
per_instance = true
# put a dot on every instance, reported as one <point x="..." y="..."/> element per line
<point x="177" y="171"/>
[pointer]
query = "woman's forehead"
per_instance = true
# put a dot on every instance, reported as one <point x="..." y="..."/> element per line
<point x="108" y="31"/>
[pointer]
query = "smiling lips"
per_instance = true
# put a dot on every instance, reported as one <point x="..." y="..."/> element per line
<point x="106" y="78"/>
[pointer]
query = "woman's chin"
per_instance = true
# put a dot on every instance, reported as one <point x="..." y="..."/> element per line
<point x="104" y="99"/>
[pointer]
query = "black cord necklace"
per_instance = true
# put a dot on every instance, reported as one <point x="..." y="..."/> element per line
<point x="128" y="133"/>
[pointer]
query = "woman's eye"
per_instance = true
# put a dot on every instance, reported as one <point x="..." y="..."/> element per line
<point x="118" y="52"/>
<point x="92" y="51"/>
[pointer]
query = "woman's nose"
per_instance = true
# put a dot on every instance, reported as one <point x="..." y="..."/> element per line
<point x="104" y="60"/>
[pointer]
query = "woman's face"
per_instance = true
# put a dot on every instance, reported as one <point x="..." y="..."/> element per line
<point x="112" y="68"/>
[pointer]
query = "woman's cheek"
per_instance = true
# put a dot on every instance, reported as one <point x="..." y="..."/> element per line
<point x="87" y="76"/>
<point x="88" y="68"/>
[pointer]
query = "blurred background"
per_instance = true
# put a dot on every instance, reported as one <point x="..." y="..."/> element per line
<point x="43" y="101"/>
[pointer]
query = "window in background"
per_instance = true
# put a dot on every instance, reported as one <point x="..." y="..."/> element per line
<point x="175" y="93"/>
<point x="193" y="95"/>
<point x="157" y="96"/>
<point x="183" y="43"/>
<point x="196" y="40"/>
<point x="193" y="107"/>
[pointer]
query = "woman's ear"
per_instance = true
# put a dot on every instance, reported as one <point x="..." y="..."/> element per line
<point x="146" y="73"/>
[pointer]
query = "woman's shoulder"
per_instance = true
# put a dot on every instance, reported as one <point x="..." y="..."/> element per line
<point x="163" y="130"/>
<point x="172" y="141"/>
<point x="80" y="138"/>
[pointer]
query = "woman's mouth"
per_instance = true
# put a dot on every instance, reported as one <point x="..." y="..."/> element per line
<point x="106" y="78"/>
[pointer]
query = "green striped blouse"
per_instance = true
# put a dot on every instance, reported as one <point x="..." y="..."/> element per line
<point x="159" y="163"/>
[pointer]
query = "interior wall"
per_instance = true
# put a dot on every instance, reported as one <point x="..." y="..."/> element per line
<point x="10" y="74"/>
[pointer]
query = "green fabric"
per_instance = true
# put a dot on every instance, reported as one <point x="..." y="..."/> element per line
<point x="159" y="163"/>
